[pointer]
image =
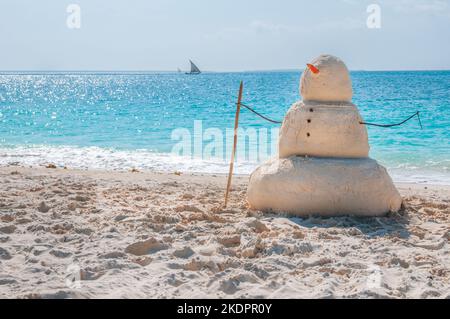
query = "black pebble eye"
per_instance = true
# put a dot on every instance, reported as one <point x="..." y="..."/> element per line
<point x="309" y="121"/>
<point x="307" y="134"/>
<point x="311" y="110"/>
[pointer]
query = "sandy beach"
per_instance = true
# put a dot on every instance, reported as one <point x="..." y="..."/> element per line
<point x="98" y="234"/>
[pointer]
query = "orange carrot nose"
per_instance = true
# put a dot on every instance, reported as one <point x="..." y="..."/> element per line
<point x="313" y="68"/>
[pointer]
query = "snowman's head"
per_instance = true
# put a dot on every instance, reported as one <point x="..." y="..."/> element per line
<point x="326" y="79"/>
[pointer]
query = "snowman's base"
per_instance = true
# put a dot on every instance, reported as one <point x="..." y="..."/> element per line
<point x="324" y="187"/>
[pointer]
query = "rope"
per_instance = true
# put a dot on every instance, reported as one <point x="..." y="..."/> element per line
<point x="260" y="115"/>
<point x="397" y="124"/>
<point x="363" y="123"/>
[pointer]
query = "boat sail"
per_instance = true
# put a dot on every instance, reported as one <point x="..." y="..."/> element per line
<point x="194" y="69"/>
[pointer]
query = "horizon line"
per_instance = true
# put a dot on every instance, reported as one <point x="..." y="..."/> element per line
<point x="231" y="71"/>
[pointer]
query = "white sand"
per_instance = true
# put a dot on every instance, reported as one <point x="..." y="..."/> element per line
<point x="149" y="235"/>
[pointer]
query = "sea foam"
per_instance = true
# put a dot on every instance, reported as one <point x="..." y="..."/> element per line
<point x="96" y="158"/>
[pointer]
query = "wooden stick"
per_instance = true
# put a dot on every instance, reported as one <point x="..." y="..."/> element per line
<point x="233" y="154"/>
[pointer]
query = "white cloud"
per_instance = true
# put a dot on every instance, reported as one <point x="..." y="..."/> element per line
<point x="428" y="7"/>
<point x="433" y="7"/>
<point x="264" y="27"/>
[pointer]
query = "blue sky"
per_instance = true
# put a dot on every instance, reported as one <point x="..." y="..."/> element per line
<point x="222" y="35"/>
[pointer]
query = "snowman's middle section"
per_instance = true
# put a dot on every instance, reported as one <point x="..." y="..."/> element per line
<point x="323" y="130"/>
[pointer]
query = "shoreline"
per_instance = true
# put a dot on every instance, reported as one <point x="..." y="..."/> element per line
<point x="175" y="172"/>
<point x="139" y="174"/>
<point x="111" y="159"/>
<point x="102" y="234"/>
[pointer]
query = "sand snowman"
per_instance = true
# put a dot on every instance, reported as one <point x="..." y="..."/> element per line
<point x="324" y="166"/>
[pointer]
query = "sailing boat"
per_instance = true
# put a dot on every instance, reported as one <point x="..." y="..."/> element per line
<point x="194" y="69"/>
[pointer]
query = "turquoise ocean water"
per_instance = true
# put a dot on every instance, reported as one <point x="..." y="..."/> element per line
<point x="124" y="120"/>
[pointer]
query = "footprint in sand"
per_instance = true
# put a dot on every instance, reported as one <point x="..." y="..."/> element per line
<point x="43" y="208"/>
<point x="174" y="281"/>
<point x="113" y="255"/>
<point x="4" y="254"/>
<point x="84" y="231"/>
<point x="229" y="286"/>
<point x="150" y="246"/>
<point x="230" y="241"/>
<point x="72" y="206"/>
<point x="142" y="261"/>
<point x="187" y="196"/>
<point x="430" y="294"/>
<point x="88" y="275"/>
<point x="188" y="208"/>
<point x="7" y="281"/>
<point x="120" y="218"/>
<point x="61" y="229"/>
<point x="8" y="229"/>
<point x="60" y="253"/>
<point x="432" y="245"/>
<point x="185" y="252"/>
<point x="7" y="218"/>
<point x="81" y="198"/>
<point x="22" y="221"/>
<point x="39" y="250"/>
<point x="257" y="225"/>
